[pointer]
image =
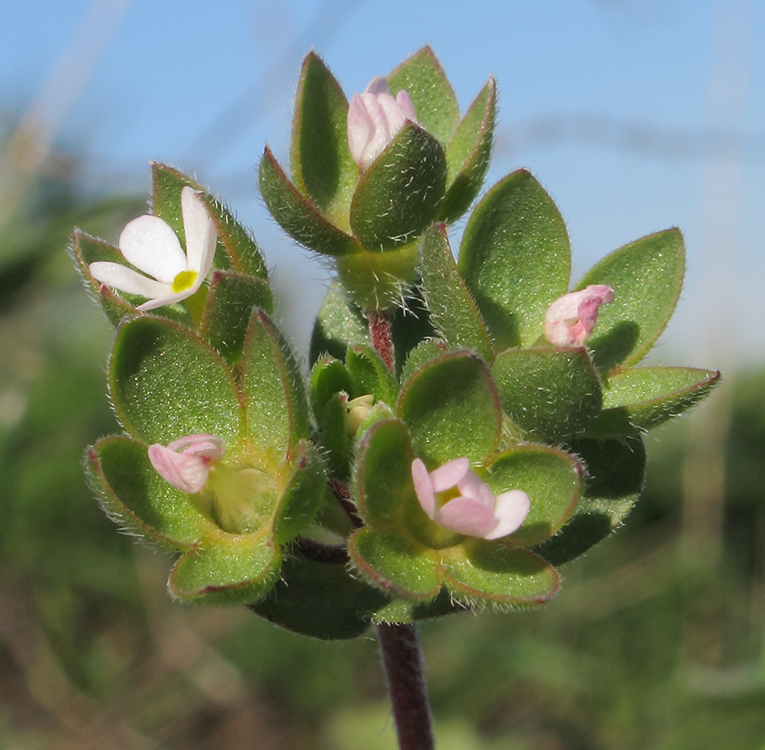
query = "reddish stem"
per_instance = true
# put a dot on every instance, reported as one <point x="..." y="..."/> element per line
<point x="403" y="664"/>
<point x="379" y="331"/>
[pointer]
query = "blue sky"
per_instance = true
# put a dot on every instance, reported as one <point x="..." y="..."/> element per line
<point x="621" y="108"/>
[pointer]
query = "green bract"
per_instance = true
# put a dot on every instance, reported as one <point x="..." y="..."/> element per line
<point x="369" y="220"/>
<point x="414" y="355"/>
<point x="165" y="383"/>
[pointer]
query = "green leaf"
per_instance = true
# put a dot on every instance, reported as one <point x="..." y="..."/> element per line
<point x="451" y="408"/>
<point x="648" y="396"/>
<point x="328" y="378"/>
<point x="646" y="276"/>
<point x="167" y="383"/>
<point x="403" y="611"/>
<point x="469" y="153"/>
<point x="303" y="496"/>
<point x="320" y="600"/>
<point x="453" y="313"/>
<point x="339" y="324"/>
<point x="333" y="435"/>
<point x="550" y="478"/>
<point x="479" y="572"/>
<point x="398" y="196"/>
<point x="370" y="375"/>
<point x="226" y="571"/>
<point x="241" y="252"/>
<point x="549" y="393"/>
<point x="515" y="258"/>
<point x="87" y="250"/>
<point x="138" y="499"/>
<point x="297" y="216"/>
<point x="420" y="356"/>
<point x="395" y="564"/>
<point x="276" y="405"/>
<point x="434" y="101"/>
<point x="613" y="481"/>
<point x="229" y="309"/>
<point x="383" y="475"/>
<point x="321" y="161"/>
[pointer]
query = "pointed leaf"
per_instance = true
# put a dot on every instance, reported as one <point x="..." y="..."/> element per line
<point x="321" y="161"/>
<point x="646" y="276"/>
<point x="549" y="393"/>
<point x="479" y="572"/>
<point x="303" y="496"/>
<point x="383" y="475"/>
<point x="395" y="564"/>
<point x="229" y="309"/>
<point x="451" y="408"/>
<point x="226" y="571"/>
<point x="328" y="378"/>
<point x="276" y="405"/>
<point x="424" y="80"/>
<point x="469" y="153"/>
<point x="398" y="196"/>
<point x="240" y="252"/>
<point x="320" y="600"/>
<point x="515" y="258"/>
<point x="333" y="435"/>
<point x="453" y="311"/>
<point x="550" y="478"/>
<point x="138" y="499"/>
<point x="87" y="250"/>
<point x="648" y="396"/>
<point x="370" y="375"/>
<point x="297" y="216"/>
<point x="614" y="479"/>
<point x="166" y="383"/>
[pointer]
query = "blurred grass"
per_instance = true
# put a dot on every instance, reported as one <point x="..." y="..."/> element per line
<point x="646" y="647"/>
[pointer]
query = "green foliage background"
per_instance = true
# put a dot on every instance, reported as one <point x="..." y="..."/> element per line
<point x="656" y="640"/>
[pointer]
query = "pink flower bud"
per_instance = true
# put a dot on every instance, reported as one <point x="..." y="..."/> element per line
<point x="458" y="499"/>
<point x="374" y="119"/>
<point x="570" y="319"/>
<point x="185" y="463"/>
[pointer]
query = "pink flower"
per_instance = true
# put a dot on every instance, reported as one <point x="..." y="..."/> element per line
<point x="570" y="319"/>
<point x="185" y="463"/>
<point x="374" y="119"/>
<point x="149" y="244"/>
<point x="457" y="499"/>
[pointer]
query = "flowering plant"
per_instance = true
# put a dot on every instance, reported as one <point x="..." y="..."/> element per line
<point x="468" y="425"/>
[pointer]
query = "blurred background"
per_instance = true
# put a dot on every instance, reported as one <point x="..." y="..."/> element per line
<point x="636" y="115"/>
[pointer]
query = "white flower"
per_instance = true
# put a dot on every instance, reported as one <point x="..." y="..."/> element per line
<point x="185" y="463"/>
<point x="374" y="119"/>
<point x="571" y="318"/>
<point x="149" y="244"/>
<point x="458" y="499"/>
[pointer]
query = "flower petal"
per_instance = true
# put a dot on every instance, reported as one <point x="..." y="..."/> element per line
<point x="184" y="472"/>
<point x="203" y="445"/>
<point x="447" y="475"/>
<point x="423" y="487"/>
<point x="406" y="105"/>
<point x="126" y="279"/>
<point x="200" y="234"/>
<point x="152" y="246"/>
<point x="467" y="516"/>
<point x="510" y="510"/>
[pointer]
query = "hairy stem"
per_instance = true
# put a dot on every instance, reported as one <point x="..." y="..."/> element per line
<point x="403" y="664"/>
<point x="379" y="331"/>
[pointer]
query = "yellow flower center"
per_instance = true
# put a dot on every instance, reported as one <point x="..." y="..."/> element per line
<point x="184" y="280"/>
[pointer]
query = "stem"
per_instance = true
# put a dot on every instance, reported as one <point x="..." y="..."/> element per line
<point x="403" y="664"/>
<point x="379" y="332"/>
